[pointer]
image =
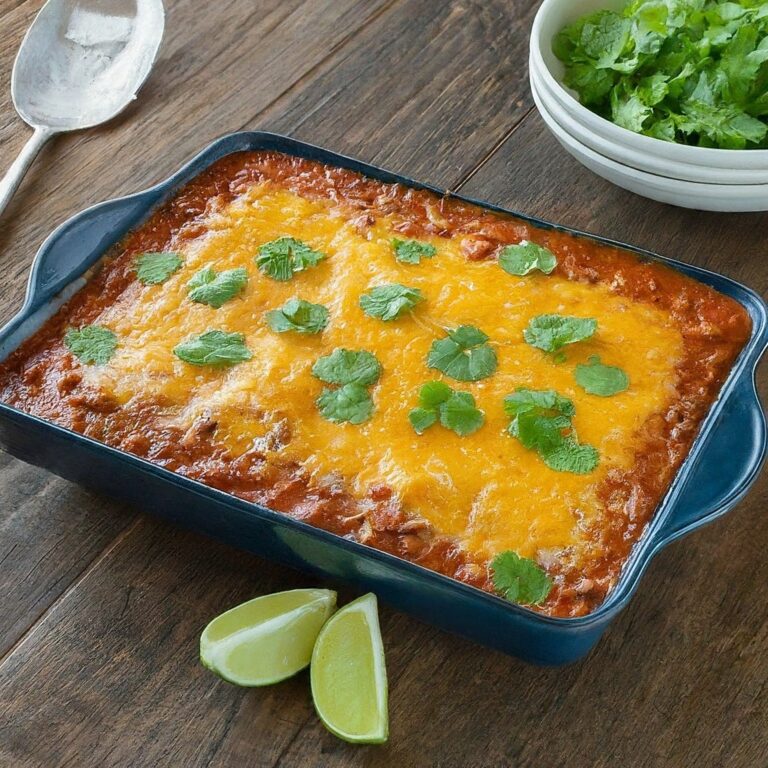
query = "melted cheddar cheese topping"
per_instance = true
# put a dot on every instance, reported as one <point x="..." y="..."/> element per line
<point x="485" y="489"/>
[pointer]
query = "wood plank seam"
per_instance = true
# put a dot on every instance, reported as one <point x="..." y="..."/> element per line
<point x="299" y="730"/>
<point x="105" y="552"/>
<point x="494" y="149"/>
<point x="320" y="65"/>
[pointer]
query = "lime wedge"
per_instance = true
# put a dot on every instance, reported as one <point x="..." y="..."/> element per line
<point x="266" y="639"/>
<point x="348" y="674"/>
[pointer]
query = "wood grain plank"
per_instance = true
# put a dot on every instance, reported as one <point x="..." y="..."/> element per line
<point x="49" y="531"/>
<point x="126" y="687"/>
<point x="427" y="92"/>
<point x="15" y="19"/>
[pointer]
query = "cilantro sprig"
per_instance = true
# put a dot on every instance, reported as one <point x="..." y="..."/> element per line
<point x="519" y="579"/>
<point x="688" y="71"/>
<point x="281" y="259"/>
<point x="347" y="366"/>
<point x="91" y="344"/>
<point x="412" y="251"/>
<point x="542" y="421"/>
<point x="552" y="332"/>
<point x="525" y="257"/>
<point x="214" y="348"/>
<point x="299" y="316"/>
<point x="153" y="268"/>
<point x="350" y="403"/>
<point x="354" y="371"/>
<point x="464" y="355"/>
<point x="455" y="410"/>
<point x="388" y="302"/>
<point x="216" y="289"/>
<point x="598" y="379"/>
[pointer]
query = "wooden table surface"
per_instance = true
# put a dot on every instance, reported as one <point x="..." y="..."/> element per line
<point x="101" y="606"/>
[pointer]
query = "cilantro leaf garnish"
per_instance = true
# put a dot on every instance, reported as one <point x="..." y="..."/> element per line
<point x="552" y="332"/>
<point x="388" y="302"/>
<point x="207" y="287"/>
<point x="455" y="410"/>
<point x="464" y="355"/>
<point x="570" y="456"/>
<point x="354" y="371"/>
<point x="350" y="403"/>
<point x="298" y="315"/>
<point x="519" y="579"/>
<point x="688" y="71"/>
<point x="345" y="366"/>
<point x="602" y="380"/>
<point x="91" y="344"/>
<point x="542" y="421"/>
<point x="280" y="259"/>
<point x="155" y="268"/>
<point x="524" y="257"/>
<point x="215" y="348"/>
<point x="412" y="251"/>
<point x="422" y="419"/>
<point x="524" y="400"/>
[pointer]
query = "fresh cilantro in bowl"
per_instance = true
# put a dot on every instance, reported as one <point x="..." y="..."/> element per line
<point x="689" y="71"/>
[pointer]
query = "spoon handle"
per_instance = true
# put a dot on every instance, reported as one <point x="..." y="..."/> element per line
<point x="10" y="182"/>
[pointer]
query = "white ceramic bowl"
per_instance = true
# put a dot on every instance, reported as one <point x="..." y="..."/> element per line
<point x="551" y="17"/>
<point x="628" y="155"/>
<point x="687" y="194"/>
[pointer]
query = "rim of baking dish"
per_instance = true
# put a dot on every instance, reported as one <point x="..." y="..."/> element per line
<point x="645" y="548"/>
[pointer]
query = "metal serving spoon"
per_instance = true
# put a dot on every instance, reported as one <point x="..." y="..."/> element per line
<point x="80" y="64"/>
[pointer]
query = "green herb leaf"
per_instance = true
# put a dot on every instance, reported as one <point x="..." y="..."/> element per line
<point x="92" y="344"/>
<point x="690" y="71"/>
<point x="412" y="251"/>
<point x="551" y="332"/>
<point x="345" y="366"/>
<point x="156" y="268"/>
<point x="282" y="258"/>
<point x="519" y="579"/>
<point x="388" y="302"/>
<point x="434" y="393"/>
<point x="525" y="400"/>
<point x="298" y="315"/>
<point x="459" y="414"/>
<point x="570" y="456"/>
<point x="422" y="419"/>
<point x="542" y="421"/>
<point x="207" y="287"/>
<point x="465" y="355"/>
<point x="455" y="410"/>
<point x="350" y="403"/>
<point x="524" y="257"/>
<point x="599" y="379"/>
<point x="215" y="348"/>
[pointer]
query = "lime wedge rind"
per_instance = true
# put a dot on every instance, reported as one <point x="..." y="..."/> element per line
<point x="276" y="647"/>
<point x="333" y="711"/>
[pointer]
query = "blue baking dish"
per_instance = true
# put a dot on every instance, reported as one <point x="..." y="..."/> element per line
<point x="721" y="466"/>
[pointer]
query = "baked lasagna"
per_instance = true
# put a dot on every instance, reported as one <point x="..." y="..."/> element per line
<point x="503" y="404"/>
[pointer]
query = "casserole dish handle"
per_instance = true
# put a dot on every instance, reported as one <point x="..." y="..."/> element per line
<point x="732" y="454"/>
<point x="56" y="272"/>
<point x="83" y="239"/>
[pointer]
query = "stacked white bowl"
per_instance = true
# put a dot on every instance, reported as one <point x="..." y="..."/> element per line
<point x="691" y="177"/>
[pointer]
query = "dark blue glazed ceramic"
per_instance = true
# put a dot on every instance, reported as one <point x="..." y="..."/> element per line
<point x="722" y="465"/>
